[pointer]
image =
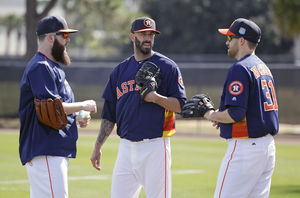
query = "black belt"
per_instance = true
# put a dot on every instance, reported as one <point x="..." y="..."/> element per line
<point x="142" y="139"/>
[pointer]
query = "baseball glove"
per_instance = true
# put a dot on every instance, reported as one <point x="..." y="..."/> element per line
<point x="51" y="113"/>
<point x="148" y="78"/>
<point x="197" y="106"/>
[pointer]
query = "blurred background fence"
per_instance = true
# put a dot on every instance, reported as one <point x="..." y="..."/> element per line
<point x="88" y="79"/>
<point x="189" y="32"/>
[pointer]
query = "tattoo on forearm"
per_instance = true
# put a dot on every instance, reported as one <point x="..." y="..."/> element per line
<point x="105" y="130"/>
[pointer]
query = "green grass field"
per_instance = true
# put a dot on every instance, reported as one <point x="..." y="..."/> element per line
<point x="195" y="164"/>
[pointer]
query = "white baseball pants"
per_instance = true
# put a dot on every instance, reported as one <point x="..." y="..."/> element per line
<point x="247" y="168"/>
<point x="48" y="176"/>
<point x="142" y="164"/>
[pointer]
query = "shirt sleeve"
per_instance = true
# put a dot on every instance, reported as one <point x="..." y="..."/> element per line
<point x="110" y="97"/>
<point x="42" y="81"/>
<point x="110" y="92"/>
<point x="109" y="111"/>
<point x="175" y="85"/>
<point x="237" y="113"/>
<point x="237" y="87"/>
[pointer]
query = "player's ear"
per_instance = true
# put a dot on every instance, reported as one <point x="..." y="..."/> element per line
<point x="132" y="37"/>
<point x="243" y="41"/>
<point x="50" y="38"/>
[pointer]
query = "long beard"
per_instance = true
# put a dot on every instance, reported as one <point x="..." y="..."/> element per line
<point x="60" y="54"/>
<point x="139" y="47"/>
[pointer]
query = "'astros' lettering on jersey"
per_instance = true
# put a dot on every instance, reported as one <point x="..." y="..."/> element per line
<point x="136" y="120"/>
<point x="250" y="85"/>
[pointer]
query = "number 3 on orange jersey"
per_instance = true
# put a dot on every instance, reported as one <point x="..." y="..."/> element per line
<point x="271" y="104"/>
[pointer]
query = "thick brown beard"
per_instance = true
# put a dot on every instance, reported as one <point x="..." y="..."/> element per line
<point x="60" y="54"/>
<point x="138" y="46"/>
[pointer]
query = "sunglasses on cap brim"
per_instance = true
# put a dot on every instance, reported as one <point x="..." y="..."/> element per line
<point x="64" y="35"/>
<point x="229" y="38"/>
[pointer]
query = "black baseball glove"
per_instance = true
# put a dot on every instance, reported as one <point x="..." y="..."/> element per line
<point x="148" y="78"/>
<point x="197" y="106"/>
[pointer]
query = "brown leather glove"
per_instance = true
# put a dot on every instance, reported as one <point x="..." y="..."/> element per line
<point x="51" y="113"/>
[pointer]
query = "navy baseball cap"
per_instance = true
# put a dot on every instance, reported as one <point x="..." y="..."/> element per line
<point x="52" y="24"/>
<point x="243" y="28"/>
<point x="143" y="24"/>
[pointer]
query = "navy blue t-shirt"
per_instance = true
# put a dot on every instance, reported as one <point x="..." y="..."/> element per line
<point x="136" y="120"/>
<point x="250" y="85"/>
<point x="43" y="79"/>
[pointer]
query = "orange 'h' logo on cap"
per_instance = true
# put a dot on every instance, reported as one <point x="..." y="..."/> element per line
<point x="147" y="22"/>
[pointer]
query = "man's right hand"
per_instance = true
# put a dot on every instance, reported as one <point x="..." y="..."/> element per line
<point x="89" y="105"/>
<point x="95" y="158"/>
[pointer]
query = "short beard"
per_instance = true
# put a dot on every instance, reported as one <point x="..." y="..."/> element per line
<point x="60" y="54"/>
<point x="232" y="53"/>
<point x="138" y="46"/>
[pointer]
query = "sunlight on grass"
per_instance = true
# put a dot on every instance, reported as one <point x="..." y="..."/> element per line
<point x="195" y="164"/>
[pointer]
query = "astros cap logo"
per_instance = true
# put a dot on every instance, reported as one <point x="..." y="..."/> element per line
<point x="148" y="23"/>
<point x="143" y="24"/>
